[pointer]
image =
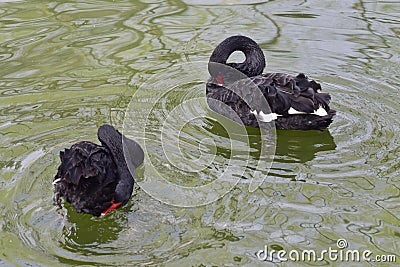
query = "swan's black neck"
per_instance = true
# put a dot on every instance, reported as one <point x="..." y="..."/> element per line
<point x="113" y="140"/>
<point x="253" y="65"/>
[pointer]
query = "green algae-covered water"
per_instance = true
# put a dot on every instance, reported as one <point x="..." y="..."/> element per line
<point x="68" y="67"/>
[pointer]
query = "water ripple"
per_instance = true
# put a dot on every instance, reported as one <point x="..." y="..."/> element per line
<point x="67" y="68"/>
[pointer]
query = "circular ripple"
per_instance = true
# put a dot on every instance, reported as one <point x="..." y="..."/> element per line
<point x="189" y="164"/>
<point x="50" y="233"/>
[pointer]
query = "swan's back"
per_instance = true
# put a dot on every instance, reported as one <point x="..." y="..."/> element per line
<point x="87" y="177"/>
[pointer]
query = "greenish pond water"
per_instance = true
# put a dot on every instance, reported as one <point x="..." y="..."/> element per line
<point x="67" y="68"/>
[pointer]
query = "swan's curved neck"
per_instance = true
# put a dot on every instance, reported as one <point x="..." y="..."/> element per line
<point x="113" y="140"/>
<point x="254" y="63"/>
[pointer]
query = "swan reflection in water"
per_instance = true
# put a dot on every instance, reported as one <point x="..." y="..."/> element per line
<point x="291" y="145"/>
<point x="300" y="146"/>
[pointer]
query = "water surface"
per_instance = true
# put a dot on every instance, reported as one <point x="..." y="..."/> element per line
<point x="67" y="68"/>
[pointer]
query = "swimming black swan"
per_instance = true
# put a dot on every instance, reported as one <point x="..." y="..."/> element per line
<point x="295" y="101"/>
<point x="95" y="178"/>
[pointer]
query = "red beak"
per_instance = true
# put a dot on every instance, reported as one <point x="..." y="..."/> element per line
<point x="220" y="80"/>
<point x="112" y="207"/>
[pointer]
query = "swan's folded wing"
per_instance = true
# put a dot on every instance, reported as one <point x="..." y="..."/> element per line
<point x="82" y="160"/>
<point x="301" y="93"/>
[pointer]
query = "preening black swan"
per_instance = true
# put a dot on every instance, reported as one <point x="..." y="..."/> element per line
<point x="295" y="102"/>
<point x="95" y="178"/>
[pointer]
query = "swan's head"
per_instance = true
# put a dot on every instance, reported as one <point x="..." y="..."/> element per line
<point x="253" y="65"/>
<point x="222" y="74"/>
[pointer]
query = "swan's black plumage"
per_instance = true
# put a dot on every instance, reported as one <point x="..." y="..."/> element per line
<point x="92" y="177"/>
<point x="295" y="101"/>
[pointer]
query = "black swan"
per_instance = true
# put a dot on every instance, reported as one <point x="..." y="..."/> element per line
<point x="294" y="101"/>
<point x="95" y="179"/>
